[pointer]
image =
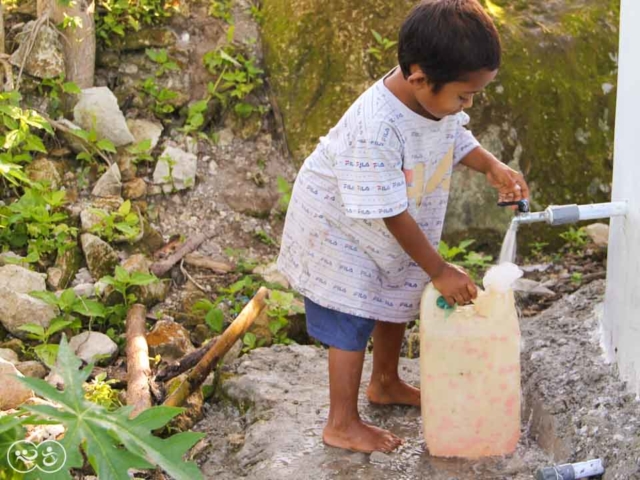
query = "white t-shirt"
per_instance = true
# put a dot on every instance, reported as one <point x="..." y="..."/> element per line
<point x="379" y="160"/>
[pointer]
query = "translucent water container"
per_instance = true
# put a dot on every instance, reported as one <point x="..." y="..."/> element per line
<point x="470" y="370"/>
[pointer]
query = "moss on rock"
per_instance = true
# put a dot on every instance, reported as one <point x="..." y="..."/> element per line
<point x="551" y="107"/>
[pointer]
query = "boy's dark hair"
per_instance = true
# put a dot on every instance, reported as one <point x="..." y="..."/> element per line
<point x="448" y="39"/>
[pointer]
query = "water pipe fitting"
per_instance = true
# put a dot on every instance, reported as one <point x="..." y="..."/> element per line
<point x="564" y="214"/>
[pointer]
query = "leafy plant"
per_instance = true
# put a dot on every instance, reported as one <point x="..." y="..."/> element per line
<point x="195" y="116"/>
<point x="576" y="238"/>
<point x="537" y="248"/>
<point x="36" y="221"/>
<point x="54" y="89"/>
<point x="381" y="46"/>
<point x="450" y="253"/>
<point x="100" y="392"/>
<point x="255" y="10"/>
<point x="11" y="431"/>
<point x="280" y="304"/>
<point x="162" y="97"/>
<point x="576" y="278"/>
<point x="214" y="316"/>
<point x="285" y="189"/>
<point x="265" y="238"/>
<point x="243" y="263"/>
<point x="221" y="9"/>
<point x="112" y="442"/>
<point x="122" y="224"/>
<point x="116" y="17"/>
<point x="237" y="77"/>
<point x="141" y="152"/>
<point x="96" y="145"/>
<point x="122" y="281"/>
<point x="17" y="137"/>
<point x="251" y="342"/>
<point x="69" y="305"/>
<point x="161" y="57"/>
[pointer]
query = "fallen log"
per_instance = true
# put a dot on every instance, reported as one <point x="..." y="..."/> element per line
<point x="138" y="369"/>
<point x="185" y="363"/>
<point x="238" y="328"/>
<point x="163" y="266"/>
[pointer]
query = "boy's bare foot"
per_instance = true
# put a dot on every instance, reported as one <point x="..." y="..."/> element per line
<point x="393" y="392"/>
<point x="360" y="437"/>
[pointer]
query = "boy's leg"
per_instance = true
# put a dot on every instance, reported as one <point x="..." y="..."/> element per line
<point x="344" y="427"/>
<point x="385" y="386"/>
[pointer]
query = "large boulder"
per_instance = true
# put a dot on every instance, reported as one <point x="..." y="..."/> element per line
<point x="98" y="108"/>
<point x="549" y="113"/>
<point x="46" y="58"/>
<point x="17" y="307"/>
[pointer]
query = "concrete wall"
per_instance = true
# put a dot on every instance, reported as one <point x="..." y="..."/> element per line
<point x="621" y="322"/>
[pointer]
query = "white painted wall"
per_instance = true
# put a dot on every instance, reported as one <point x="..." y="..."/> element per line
<point x="621" y="322"/>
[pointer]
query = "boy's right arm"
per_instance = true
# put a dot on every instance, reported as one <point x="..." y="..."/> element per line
<point x="451" y="281"/>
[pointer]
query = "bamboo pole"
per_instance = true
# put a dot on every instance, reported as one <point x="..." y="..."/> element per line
<point x="238" y="328"/>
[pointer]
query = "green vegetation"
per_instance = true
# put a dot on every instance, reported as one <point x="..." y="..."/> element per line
<point x="36" y="224"/>
<point x="575" y="238"/>
<point x="123" y="224"/>
<point x="115" y="18"/>
<point x="475" y="263"/>
<point x="122" y="281"/>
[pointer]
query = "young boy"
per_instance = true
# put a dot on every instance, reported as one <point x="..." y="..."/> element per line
<point x="367" y="209"/>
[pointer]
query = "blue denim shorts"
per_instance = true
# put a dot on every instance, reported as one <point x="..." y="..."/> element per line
<point x="337" y="329"/>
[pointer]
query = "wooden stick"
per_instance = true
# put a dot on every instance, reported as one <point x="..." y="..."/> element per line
<point x="163" y="266"/>
<point x="138" y="369"/>
<point x="197" y="260"/>
<point x="185" y="363"/>
<point x="238" y="327"/>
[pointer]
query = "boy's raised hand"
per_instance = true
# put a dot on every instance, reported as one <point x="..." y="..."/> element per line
<point x="455" y="285"/>
<point x="510" y="184"/>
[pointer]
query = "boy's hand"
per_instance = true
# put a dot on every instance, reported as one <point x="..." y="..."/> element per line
<point x="454" y="285"/>
<point x="510" y="184"/>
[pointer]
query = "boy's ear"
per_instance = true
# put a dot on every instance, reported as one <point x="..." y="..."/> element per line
<point x="417" y="78"/>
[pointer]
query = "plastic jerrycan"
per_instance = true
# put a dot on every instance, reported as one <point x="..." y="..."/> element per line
<point x="470" y="370"/>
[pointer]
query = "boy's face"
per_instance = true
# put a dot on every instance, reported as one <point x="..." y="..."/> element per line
<point x="452" y="98"/>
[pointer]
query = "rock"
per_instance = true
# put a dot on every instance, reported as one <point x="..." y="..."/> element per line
<point x="225" y="137"/>
<point x="46" y="58"/>
<point x="13" y="392"/>
<point x="71" y="140"/>
<point x="143" y="129"/>
<point x="86" y="290"/>
<point x="21" y="280"/>
<point x="45" y="171"/>
<point x="176" y="169"/>
<point x="14" y="344"/>
<point x="379" y="457"/>
<point x="18" y="309"/>
<point x="88" y="216"/>
<point x="270" y="274"/>
<point x="514" y="115"/>
<point x="98" y="108"/>
<point x="598" y="233"/>
<point x="134" y="189"/>
<point x="93" y="346"/>
<point x="100" y="257"/>
<point x="152" y="240"/>
<point x="146" y="37"/>
<point x="10" y="258"/>
<point x="109" y="184"/>
<point x="8" y="355"/>
<point x="32" y="368"/>
<point x="125" y="161"/>
<point x="531" y="287"/>
<point x="67" y="265"/>
<point x="170" y="340"/>
<point x="245" y="198"/>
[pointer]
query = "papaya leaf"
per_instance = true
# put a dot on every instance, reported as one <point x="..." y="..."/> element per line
<point x="102" y="434"/>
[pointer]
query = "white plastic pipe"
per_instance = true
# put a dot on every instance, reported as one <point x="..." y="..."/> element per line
<point x="563" y="214"/>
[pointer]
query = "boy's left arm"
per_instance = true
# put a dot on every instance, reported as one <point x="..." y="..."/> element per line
<point x="510" y="184"/>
